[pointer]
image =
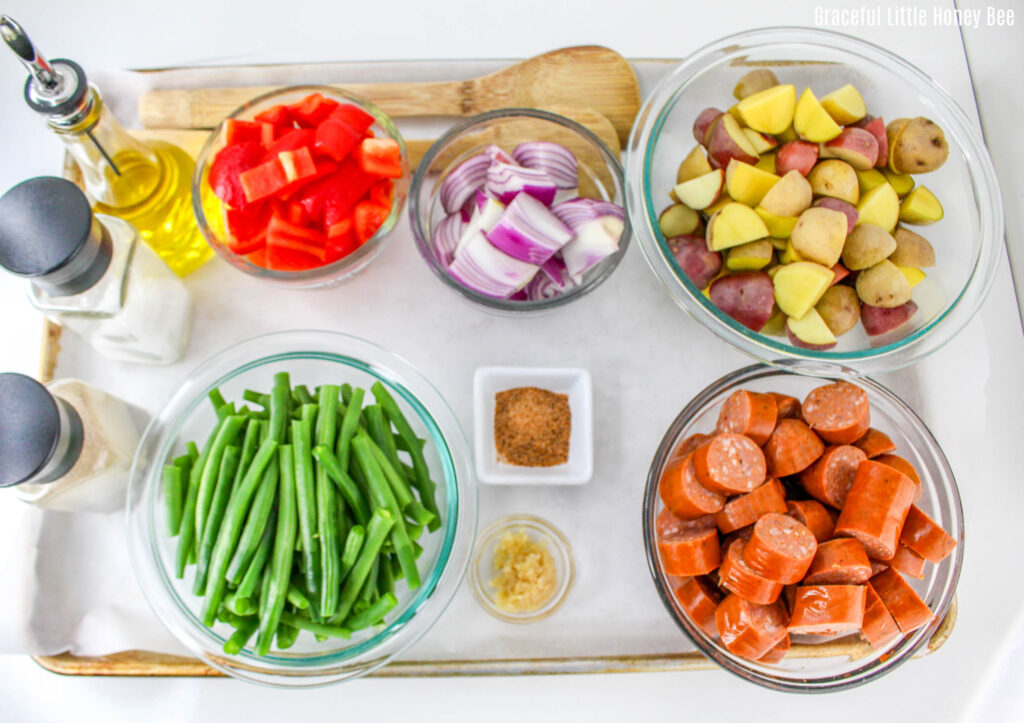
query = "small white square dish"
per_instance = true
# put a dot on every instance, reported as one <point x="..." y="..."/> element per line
<point x="488" y="381"/>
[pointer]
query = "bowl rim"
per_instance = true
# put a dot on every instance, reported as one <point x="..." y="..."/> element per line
<point x="356" y="260"/>
<point x="907" y="350"/>
<point x="903" y="651"/>
<point x="144" y="505"/>
<point x="424" y="242"/>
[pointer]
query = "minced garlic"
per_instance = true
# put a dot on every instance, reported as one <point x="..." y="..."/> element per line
<point x="526" y="576"/>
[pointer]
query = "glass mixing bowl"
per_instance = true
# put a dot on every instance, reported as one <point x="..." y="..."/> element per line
<point x="208" y="208"/>
<point x="968" y="241"/>
<point x="805" y="669"/>
<point x="600" y="176"/>
<point x="312" y="358"/>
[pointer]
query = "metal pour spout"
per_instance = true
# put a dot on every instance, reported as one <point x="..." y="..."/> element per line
<point x="32" y="59"/>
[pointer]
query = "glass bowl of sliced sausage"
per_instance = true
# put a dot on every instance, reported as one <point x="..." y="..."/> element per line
<point x="805" y="534"/>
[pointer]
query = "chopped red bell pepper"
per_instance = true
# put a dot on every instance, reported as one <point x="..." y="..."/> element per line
<point x="341" y="241"/>
<point x="282" y="234"/>
<point x="367" y="218"/>
<point x="246" y="223"/>
<point x="381" y="192"/>
<point x="279" y="115"/>
<point x="292" y="140"/>
<point x="268" y="133"/>
<point x="241" y="131"/>
<point x="312" y="110"/>
<point x="380" y="156"/>
<point x="280" y="258"/>
<point x="228" y="164"/>
<point x="354" y="117"/>
<point x="336" y="138"/>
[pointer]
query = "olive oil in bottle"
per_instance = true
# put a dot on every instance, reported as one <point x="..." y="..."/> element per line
<point x="148" y="184"/>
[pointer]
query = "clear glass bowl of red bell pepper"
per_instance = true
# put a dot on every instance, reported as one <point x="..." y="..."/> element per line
<point x="302" y="185"/>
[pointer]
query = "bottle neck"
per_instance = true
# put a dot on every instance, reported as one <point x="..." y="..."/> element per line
<point x="118" y="170"/>
<point x="67" y="448"/>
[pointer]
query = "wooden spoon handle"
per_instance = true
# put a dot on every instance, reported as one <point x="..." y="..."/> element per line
<point x="206" y="107"/>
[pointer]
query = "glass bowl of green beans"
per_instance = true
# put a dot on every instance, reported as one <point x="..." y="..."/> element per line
<point x="302" y="509"/>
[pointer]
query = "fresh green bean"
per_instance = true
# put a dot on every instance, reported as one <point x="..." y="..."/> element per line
<point x="351" y="493"/>
<point x="225" y="411"/>
<point x="422" y="480"/>
<point x="371" y="615"/>
<point x="231" y="527"/>
<point x="218" y="504"/>
<point x="353" y="544"/>
<point x="264" y="596"/>
<point x="255" y="524"/>
<point x="385" y="578"/>
<point x="174" y="487"/>
<point x="208" y="481"/>
<point x="417" y="550"/>
<point x="326" y="501"/>
<point x="396" y="568"/>
<point x="286" y="635"/>
<point x="193" y="452"/>
<point x="346" y="393"/>
<point x="401" y="445"/>
<point x="328" y="631"/>
<point x="403" y="494"/>
<point x="254" y="431"/>
<point x="186" y="541"/>
<point x="305" y="495"/>
<point x="382" y="496"/>
<point x="280" y="568"/>
<point x="233" y="619"/>
<point x="349" y="423"/>
<point x="415" y="531"/>
<point x="239" y="605"/>
<point x="255" y="397"/>
<point x="254" y="574"/>
<point x="380" y="525"/>
<point x="241" y="636"/>
<point x="368" y="593"/>
<point x="302" y="396"/>
<point x="296" y="597"/>
<point x="216" y="398"/>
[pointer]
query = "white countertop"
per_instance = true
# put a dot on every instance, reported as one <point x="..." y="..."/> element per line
<point x="972" y="677"/>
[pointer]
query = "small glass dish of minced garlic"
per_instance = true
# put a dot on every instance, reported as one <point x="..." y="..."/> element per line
<point x="522" y="569"/>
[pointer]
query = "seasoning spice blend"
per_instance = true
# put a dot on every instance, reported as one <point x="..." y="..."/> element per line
<point x="531" y="427"/>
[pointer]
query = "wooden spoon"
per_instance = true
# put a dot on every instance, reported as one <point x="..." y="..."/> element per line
<point x="191" y="140"/>
<point x="587" y="76"/>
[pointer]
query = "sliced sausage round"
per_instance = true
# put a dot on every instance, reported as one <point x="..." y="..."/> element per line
<point x="749" y="413"/>
<point x="907" y="561"/>
<point x="690" y="553"/>
<point x="828" y="609"/>
<point x="689" y="444"/>
<point x="792" y="448"/>
<point x="746" y="509"/>
<point x="839" y="412"/>
<point x="684" y="494"/>
<point x="874" y="443"/>
<point x="828" y="480"/>
<point x="748" y="629"/>
<point x="668" y="524"/>
<point x="777" y="653"/>
<point x="813" y="514"/>
<point x="729" y="464"/>
<point x="736" y="576"/>
<point x="841" y="561"/>
<point x="876" y="506"/>
<point x="906" y="607"/>
<point x="878" y="629"/>
<point x="699" y="597"/>
<point x="897" y="462"/>
<point x="922" y="535"/>
<point x="780" y="548"/>
<point x="787" y="407"/>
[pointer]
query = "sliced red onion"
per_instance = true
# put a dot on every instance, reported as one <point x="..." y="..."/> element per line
<point x="460" y="184"/>
<point x="597" y="225"/>
<point x="554" y="159"/>
<point x="490" y="271"/>
<point x="520" y="295"/>
<point x="565" y="194"/>
<point x="490" y="214"/>
<point x="446" y="236"/>
<point x="542" y="287"/>
<point x="505" y="181"/>
<point x="496" y="153"/>
<point x="554" y="269"/>
<point x="528" y="231"/>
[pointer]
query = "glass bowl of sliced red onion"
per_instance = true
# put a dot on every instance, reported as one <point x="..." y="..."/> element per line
<point x="520" y="210"/>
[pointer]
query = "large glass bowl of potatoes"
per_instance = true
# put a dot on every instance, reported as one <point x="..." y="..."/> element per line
<point x="815" y="200"/>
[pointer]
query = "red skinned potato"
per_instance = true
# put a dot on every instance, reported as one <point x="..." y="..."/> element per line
<point x="877" y="320"/>
<point x="692" y="255"/>
<point x="800" y="343"/>
<point x="876" y="127"/>
<point x="843" y="207"/>
<point x="726" y="141"/>
<point x="747" y="296"/>
<point x="704" y="120"/>
<point x="796" y="155"/>
<point x="856" y="146"/>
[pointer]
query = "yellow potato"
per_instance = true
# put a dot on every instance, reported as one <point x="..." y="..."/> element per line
<point x="912" y="250"/>
<point x="921" y="207"/>
<point x="766" y="162"/>
<point x="869" y="179"/>
<point x="836" y="179"/>
<point x="845" y="105"/>
<point x="752" y="256"/>
<point x="839" y="308"/>
<point x="913" y="276"/>
<point x="695" y="164"/>
<point x="735" y="224"/>
<point x="776" y="324"/>
<point x="866" y="245"/>
<point x="819" y="234"/>
<point x="754" y="82"/>
<point x="812" y="122"/>
<point x="770" y="110"/>
<point x="789" y="197"/>
<point x="883" y="285"/>
<point x="892" y="134"/>
<point x="920" y="147"/>
<point x="811" y="329"/>
<point x="880" y="206"/>
<point x="779" y="227"/>
<point x="800" y="285"/>
<point x="746" y="183"/>
<point x="902" y="183"/>
<point x="678" y="220"/>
